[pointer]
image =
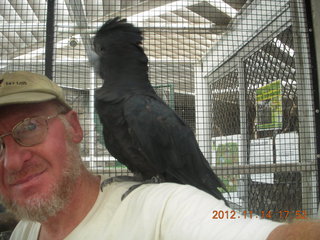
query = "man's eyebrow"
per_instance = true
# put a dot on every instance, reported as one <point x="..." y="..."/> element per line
<point x="14" y="123"/>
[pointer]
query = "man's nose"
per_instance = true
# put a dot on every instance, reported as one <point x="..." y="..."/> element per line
<point x="14" y="154"/>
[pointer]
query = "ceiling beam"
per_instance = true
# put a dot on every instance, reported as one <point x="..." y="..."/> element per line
<point x="93" y="27"/>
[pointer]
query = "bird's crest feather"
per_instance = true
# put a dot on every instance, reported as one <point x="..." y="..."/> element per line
<point x="117" y="31"/>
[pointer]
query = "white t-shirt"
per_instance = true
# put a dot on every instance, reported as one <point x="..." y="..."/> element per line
<point x="164" y="211"/>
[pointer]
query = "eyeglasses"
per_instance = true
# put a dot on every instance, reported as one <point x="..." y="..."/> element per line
<point x="28" y="132"/>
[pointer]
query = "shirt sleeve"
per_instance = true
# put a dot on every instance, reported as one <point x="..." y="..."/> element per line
<point x="193" y="214"/>
<point x="169" y="211"/>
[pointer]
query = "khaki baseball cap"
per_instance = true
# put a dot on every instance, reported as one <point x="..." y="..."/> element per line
<point x="27" y="87"/>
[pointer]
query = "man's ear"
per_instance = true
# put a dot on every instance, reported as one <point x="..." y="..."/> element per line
<point x="75" y="126"/>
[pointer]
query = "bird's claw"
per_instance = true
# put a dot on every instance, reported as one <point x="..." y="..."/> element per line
<point x="116" y="179"/>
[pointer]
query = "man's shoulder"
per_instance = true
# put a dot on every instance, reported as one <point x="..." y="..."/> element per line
<point x="154" y="192"/>
<point x="170" y="190"/>
<point x="166" y="195"/>
<point x="124" y="183"/>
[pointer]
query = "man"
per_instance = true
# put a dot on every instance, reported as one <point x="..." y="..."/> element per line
<point x="43" y="181"/>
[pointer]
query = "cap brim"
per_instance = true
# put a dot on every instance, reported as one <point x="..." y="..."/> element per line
<point x="27" y="97"/>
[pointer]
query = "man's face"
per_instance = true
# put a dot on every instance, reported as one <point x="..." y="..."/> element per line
<point x="37" y="181"/>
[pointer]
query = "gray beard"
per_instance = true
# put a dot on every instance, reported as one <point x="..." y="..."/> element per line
<point x="40" y="208"/>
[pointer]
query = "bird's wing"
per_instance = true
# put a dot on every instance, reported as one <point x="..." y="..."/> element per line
<point x="168" y="143"/>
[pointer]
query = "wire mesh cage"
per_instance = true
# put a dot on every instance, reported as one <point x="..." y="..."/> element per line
<point x="236" y="71"/>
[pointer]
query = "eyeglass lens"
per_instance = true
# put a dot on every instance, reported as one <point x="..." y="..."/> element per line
<point x="29" y="132"/>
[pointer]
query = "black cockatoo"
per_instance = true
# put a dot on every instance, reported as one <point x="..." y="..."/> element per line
<point x="141" y="130"/>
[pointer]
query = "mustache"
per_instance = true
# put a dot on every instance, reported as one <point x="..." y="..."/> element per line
<point x="26" y="171"/>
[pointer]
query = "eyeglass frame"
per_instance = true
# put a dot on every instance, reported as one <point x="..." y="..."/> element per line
<point x="18" y="124"/>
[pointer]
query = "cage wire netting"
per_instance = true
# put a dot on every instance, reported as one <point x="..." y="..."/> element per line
<point x="238" y="72"/>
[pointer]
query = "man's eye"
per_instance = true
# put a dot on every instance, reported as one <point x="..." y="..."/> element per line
<point x="31" y="127"/>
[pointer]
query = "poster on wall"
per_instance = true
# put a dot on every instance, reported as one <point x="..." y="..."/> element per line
<point x="225" y="151"/>
<point x="269" y="106"/>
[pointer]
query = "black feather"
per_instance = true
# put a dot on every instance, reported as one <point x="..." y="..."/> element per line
<point x="139" y="129"/>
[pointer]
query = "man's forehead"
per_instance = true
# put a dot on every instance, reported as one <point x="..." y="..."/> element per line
<point x="20" y="111"/>
<point x="20" y="107"/>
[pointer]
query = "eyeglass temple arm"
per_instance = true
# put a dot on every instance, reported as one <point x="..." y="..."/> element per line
<point x="6" y="134"/>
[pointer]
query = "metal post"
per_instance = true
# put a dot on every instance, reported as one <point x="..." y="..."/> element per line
<point x="243" y="148"/>
<point x="49" y="38"/>
<point x="202" y="107"/>
<point x="307" y="138"/>
<point x="92" y="135"/>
